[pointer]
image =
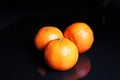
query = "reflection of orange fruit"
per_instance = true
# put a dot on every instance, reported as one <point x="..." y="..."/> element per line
<point x="46" y="34"/>
<point x="81" y="34"/>
<point x="42" y="71"/>
<point x="83" y="67"/>
<point x="61" y="54"/>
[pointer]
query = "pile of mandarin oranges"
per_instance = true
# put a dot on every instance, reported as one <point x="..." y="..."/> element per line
<point x="62" y="49"/>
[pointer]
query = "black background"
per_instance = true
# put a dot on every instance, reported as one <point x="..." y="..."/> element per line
<point x="20" y="20"/>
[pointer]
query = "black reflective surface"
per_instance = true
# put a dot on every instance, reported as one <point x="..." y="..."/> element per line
<point x="79" y="71"/>
<point x="20" y="60"/>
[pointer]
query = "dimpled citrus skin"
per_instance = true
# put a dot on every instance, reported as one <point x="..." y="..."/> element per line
<point x="81" y="34"/>
<point x="61" y="54"/>
<point x="46" y="34"/>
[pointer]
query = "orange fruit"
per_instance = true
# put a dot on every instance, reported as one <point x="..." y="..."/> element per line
<point x="81" y="34"/>
<point x="61" y="54"/>
<point x="46" y="34"/>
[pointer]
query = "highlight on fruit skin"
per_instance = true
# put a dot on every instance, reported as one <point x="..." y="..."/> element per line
<point x="81" y="34"/>
<point x="61" y="54"/>
<point x="46" y="34"/>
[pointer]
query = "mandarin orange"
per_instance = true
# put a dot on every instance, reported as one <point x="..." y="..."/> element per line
<point x="46" y="34"/>
<point x="81" y="34"/>
<point x="61" y="54"/>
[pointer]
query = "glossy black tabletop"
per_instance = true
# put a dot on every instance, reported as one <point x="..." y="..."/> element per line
<point x="20" y="60"/>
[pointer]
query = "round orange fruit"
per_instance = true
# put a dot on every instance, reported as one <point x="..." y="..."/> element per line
<point x="46" y="34"/>
<point x="81" y="34"/>
<point x="61" y="54"/>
